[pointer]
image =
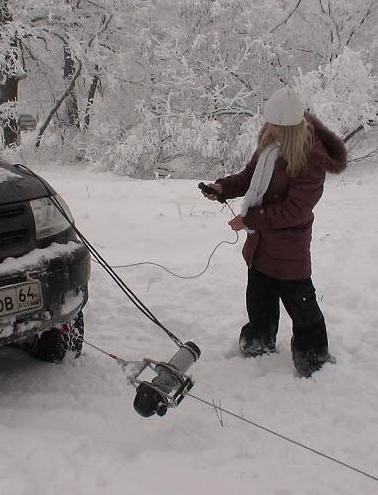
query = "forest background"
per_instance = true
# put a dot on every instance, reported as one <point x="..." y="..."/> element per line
<point x="175" y="88"/>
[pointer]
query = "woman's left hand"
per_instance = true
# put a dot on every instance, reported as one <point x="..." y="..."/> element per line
<point x="237" y="223"/>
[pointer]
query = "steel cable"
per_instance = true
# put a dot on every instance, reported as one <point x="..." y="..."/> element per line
<point x="283" y="437"/>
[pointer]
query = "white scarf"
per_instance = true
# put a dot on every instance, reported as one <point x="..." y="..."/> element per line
<point x="260" y="180"/>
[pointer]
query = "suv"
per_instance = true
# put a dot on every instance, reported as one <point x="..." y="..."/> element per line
<point x="44" y="269"/>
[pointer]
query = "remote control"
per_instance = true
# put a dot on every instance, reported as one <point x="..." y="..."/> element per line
<point x="209" y="190"/>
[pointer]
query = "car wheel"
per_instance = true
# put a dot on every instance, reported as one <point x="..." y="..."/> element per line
<point x="51" y="345"/>
<point x="54" y="344"/>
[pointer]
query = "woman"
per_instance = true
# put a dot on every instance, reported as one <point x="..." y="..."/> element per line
<point x="282" y="183"/>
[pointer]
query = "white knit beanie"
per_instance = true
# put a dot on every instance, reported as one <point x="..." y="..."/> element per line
<point x="284" y="108"/>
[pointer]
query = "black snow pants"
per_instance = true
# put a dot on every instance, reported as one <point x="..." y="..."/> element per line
<point x="298" y="297"/>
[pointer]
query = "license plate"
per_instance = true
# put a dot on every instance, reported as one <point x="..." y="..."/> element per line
<point x="20" y="298"/>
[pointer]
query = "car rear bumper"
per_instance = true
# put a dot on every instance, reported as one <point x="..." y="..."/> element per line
<point x="63" y="271"/>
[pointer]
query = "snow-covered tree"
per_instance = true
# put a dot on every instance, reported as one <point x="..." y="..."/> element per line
<point x="136" y="85"/>
<point x="206" y="73"/>
<point x="61" y="41"/>
<point x="11" y="71"/>
<point x="343" y="92"/>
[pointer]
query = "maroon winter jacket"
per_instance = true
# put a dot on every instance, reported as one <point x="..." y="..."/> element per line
<point x="280" y="246"/>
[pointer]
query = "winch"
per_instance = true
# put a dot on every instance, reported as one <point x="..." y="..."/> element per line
<point x="170" y="385"/>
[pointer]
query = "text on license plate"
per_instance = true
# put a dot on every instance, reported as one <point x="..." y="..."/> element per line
<point x="20" y="298"/>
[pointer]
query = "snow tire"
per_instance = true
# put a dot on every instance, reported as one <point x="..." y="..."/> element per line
<point x="77" y="334"/>
<point x="53" y="345"/>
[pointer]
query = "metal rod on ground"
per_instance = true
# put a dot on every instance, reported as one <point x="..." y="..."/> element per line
<point x="283" y="437"/>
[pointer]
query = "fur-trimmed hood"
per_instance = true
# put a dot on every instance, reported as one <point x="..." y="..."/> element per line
<point x="328" y="150"/>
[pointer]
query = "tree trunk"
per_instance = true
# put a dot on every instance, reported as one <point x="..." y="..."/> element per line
<point x="8" y="92"/>
<point x="71" y="100"/>
<point x="9" y="89"/>
<point x="57" y="105"/>
<point x="96" y="78"/>
<point x="91" y="95"/>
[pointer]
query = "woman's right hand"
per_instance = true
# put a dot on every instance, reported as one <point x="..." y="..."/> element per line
<point x="217" y="190"/>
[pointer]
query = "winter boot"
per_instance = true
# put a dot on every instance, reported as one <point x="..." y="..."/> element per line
<point x="306" y="362"/>
<point x="253" y="346"/>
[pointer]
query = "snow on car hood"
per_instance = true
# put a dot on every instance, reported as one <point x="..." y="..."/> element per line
<point x="38" y="257"/>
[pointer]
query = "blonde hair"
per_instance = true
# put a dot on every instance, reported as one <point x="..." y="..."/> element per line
<point x="297" y="141"/>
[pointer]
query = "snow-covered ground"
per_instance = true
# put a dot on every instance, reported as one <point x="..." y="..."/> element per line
<point x="71" y="428"/>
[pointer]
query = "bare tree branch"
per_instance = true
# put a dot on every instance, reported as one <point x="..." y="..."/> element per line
<point x="286" y="20"/>
<point x="105" y="23"/>
<point x="370" y="123"/>
<point x="230" y="111"/>
<point x="57" y="35"/>
<point x="353" y="133"/>
<point x="218" y="412"/>
<point x="91" y="95"/>
<point x="363" y="20"/>
<point x="95" y="4"/>
<point x="322" y="7"/>
<point x="370" y="154"/>
<point x="96" y="78"/>
<point x="317" y="54"/>
<point x="241" y="80"/>
<point x="58" y="104"/>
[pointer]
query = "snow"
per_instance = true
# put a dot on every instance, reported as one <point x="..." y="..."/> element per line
<point x="38" y="257"/>
<point x="71" y="302"/>
<point x="71" y="428"/>
<point x="7" y="326"/>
